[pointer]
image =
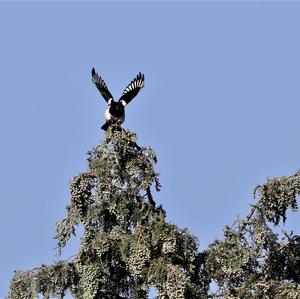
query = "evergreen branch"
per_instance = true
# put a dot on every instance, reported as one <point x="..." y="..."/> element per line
<point x="150" y="197"/>
<point x="261" y="187"/>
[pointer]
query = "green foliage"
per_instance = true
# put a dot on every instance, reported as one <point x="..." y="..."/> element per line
<point x="128" y="246"/>
<point x="47" y="280"/>
<point x="277" y="195"/>
<point x="251" y="261"/>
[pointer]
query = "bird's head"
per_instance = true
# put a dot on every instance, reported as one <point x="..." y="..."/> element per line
<point x="117" y="105"/>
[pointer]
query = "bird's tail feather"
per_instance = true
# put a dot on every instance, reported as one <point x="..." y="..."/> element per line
<point x="105" y="126"/>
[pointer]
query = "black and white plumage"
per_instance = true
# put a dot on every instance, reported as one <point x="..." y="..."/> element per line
<point x="115" y="112"/>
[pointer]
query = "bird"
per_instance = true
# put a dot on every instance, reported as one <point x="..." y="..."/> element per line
<point x="115" y="112"/>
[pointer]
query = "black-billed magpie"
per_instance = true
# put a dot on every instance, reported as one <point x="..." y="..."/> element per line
<point x="115" y="112"/>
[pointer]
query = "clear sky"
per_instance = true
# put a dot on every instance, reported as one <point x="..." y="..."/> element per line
<point x="220" y="107"/>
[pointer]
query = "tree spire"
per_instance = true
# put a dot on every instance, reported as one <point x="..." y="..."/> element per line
<point x="127" y="245"/>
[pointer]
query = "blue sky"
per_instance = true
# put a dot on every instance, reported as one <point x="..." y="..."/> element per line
<point x="220" y="107"/>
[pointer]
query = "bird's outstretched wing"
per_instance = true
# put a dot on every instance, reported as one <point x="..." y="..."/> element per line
<point x="101" y="85"/>
<point x="132" y="89"/>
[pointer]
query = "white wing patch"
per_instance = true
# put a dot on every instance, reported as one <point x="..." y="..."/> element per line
<point x="107" y="114"/>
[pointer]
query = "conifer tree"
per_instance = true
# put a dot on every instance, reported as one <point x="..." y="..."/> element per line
<point x="127" y="245"/>
<point x="254" y="260"/>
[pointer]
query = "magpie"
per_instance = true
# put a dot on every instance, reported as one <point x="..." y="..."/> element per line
<point x="115" y="112"/>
